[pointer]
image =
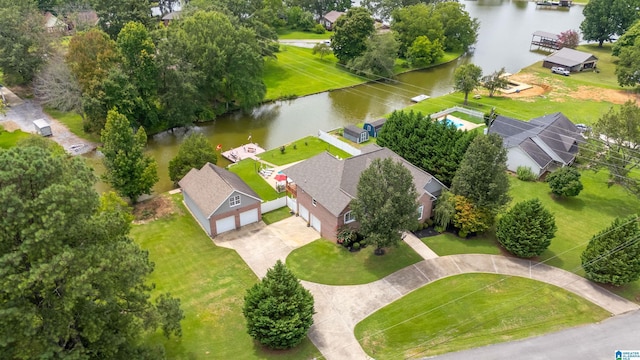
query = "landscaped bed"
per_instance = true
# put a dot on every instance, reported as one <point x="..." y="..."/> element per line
<point x="326" y="262"/>
<point x="471" y="310"/>
<point x="301" y="150"/>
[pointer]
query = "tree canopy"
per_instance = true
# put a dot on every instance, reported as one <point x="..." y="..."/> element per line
<point x="526" y="229"/>
<point x="628" y="39"/>
<point x="194" y="152"/>
<point x="569" y="39"/>
<point x="565" y="182"/>
<point x="385" y="204"/>
<point x="613" y="255"/>
<point x="351" y="32"/>
<point x="74" y="284"/>
<point x="495" y="81"/>
<point x="128" y="170"/>
<point x="114" y="14"/>
<point x="604" y="19"/>
<point x="628" y="66"/>
<point x="466" y="78"/>
<point x="278" y="309"/>
<point x="379" y="57"/>
<point x="433" y="146"/>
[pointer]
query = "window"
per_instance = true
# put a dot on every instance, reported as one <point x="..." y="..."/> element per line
<point x="420" y="211"/>
<point x="313" y="201"/>
<point x="349" y="217"/>
<point x="234" y="201"/>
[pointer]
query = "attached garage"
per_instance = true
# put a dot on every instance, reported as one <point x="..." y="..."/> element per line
<point x="226" y="224"/>
<point x="304" y="213"/>
<point x="315" y="223"/>
<point x="249" y="217"/>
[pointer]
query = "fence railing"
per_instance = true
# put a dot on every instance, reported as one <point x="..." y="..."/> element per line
<point x="448" y="111"/>
<point x="278" y="203"/>
<point x="338" y="143"/>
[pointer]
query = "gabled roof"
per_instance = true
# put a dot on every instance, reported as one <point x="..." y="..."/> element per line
<point x="51" y="21"/>
<point x="333" y="15"/>
<point x="354" y="130"/>
<point x="334" y="183"/>
<point x="569" y="57"/>
<point x="172" y="15"/>
<point x="546" y="34"/>
<point x="378" y="123"/>
<point x="212" y="185"/>
<point x="554" y="135"/>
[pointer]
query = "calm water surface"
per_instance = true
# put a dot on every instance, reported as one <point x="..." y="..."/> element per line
<point x="505" y="33"/>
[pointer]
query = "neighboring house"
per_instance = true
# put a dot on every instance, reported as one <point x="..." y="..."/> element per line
<point x="573" y="60"/>
<point x="355" y="134"/>
<point x="53" y="24"/>
<point x="219" y="200"/>
<point x="323" y="187"/>
<point x="329" y="19"/>
<point x="85" y="20"/>
<point x="542" y="144"/>
<point x="174" y="15"/>
<point x="373" y="128"/>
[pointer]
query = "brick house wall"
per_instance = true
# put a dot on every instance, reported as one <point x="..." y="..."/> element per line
<point x="234" y="212"/>
<point x="329" y="223"/>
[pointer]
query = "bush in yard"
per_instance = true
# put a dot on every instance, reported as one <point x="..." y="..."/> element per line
<point x="613" y="255"/>
<point x="278" y="309"/>
<point x="527" y="229"/>
<point x="347" y="236"/>
<point x="525" y="173"/>
<point x="565" y="182"/>
<point x="469" y="218"/>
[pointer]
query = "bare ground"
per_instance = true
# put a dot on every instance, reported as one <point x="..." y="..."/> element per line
<point x="154" y="209"/>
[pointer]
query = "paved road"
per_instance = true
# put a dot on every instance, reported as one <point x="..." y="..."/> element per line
<point x="594" y="341"/>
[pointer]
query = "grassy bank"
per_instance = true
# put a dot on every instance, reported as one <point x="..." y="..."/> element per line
<point x="73" y="121"/>
<point x="288" y="34"/>
<point x="300" y="150"/>
<point x="211" y="283"/>
<point x="10" y="139"/>
<point x="471" y="310"/>
<point x="247" y="170"/>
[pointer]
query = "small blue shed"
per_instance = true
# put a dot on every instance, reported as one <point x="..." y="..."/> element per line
<point x="355" y="134"/>
<point x="374" y="127"/>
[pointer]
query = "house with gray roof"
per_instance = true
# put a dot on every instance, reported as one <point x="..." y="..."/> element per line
<point x="219" y="200"/>
<point x="329" y="19"/>
<point x="323" y="187"/>
<point x="570" y="59"/>
<point x="541" y="144"/>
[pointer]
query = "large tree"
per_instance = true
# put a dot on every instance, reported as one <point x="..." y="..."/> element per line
<point x="417" y="20"/>
<point x="618" y="153"/>
<point x="466" y="78"/>
<point x="613" y="255"/>
<point x="194" y="152"/>
<point x="385" y="204"/>
<point x="496" y="81"/>
<point x="604" y="19"/>
<point x="482" y="176"/>
<point x="460" y="30"/>
<point x="628" y="66"/>
<point x="628" y="39"/>
<point x="74" y="284"/>
<point x="423" y="52"/>
<point x="55" y="86"/>
<point x="114" y="14"/>
<point x="526" y="229"/>
<point x="382" y="9"/>
<point x="351" y="33"/>
<point x="128" y="170"/>
<point x="379" y="58"/>
<point x="279" y="310"/>
<point x="433" y="146"/>
<point x="565" y="182"/>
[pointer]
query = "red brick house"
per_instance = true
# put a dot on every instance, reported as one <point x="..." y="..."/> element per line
<point x="219" y="200"/>
<point x="324" y="186"/>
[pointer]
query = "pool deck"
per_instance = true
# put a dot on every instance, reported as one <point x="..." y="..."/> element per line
<point x="466" y="125"/>
<point x="243" y="152"/>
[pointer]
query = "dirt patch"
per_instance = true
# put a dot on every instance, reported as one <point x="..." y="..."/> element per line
<point x="10" y="126"/>
<point x="153" y="209"/>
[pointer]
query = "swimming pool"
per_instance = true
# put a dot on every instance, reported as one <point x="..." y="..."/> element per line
<point x="452" y="122"/>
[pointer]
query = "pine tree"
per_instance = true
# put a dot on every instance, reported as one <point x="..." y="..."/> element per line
<point x="279" y="310"/>
<point x="526" y="229"/>
<point x="613" y="255"/>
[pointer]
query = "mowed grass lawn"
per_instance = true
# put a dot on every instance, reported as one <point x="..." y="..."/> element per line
<point x="10" y="139"/>
<point x="300" y="150"/>
<point x="247" y="170"/>
<point x="326" y="262"/>
<point x="211" y="283"/>
<point x="72" y="121"/>
<point x="471" y="310"/>
<point x="289" y="34"/>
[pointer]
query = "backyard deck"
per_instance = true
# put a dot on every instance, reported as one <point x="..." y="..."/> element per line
<point x="242" y="152"/>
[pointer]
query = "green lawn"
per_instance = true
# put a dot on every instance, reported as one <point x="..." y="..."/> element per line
<point x="211" y="283"/>
<point x="288" y="34"/>
<point x="450" y="244"/>
<point x="467" y="117"/>
<point x="471" y="310"/>
<point x="72" y="121"/>
<point x="326" y="262"/>
<point x="276" y="215"/>
<point x="247" y="170"/>
<point x="10" y="139"/>
<point x="300" y="150"/>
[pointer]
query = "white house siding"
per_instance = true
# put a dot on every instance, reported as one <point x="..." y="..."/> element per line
<point x="516" y="158"/>
<point x="202" y="219"/>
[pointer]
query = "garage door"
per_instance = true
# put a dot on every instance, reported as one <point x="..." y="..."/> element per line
<point x="249" y="217"/>
<point x="315" y="222"/>
<point x="226" y="224"/>
<point x="304" y="212"/>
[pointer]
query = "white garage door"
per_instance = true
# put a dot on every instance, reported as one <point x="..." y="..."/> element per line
<point x="226" y="224"/>
<point x="315" y="222"/>
<point x="249" y="217"/>
<point x="304" y="212"/>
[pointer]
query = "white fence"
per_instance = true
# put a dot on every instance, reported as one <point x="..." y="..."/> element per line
<point x="278" y="203"/>
<point x="338" y="143"/>
<point x="448" y="111"/>
<point x="292" y="203"/>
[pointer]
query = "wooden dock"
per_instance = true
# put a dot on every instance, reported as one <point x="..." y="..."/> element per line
<point x="419" y="98"/>
<point x="243" y="152"/>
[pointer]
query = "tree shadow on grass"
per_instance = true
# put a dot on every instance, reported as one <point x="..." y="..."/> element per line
<point x="569" y="203"/>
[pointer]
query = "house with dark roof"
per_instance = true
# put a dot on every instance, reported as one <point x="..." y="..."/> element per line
<point x="219" y="200"/>
<point x="542" y="144"/>
<point x="323" y="187"/>
<point x="329" y="19"/>
<point x="570" y="59"/>
<point x="355" y="134"/>
<point x="374" y="127"/>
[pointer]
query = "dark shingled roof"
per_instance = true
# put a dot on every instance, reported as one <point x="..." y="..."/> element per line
<point x="354" y="130"/>
<point x="333" y="183"/>
<point x="569" y="57"/>
<point x="378" y="123"/>
<point x="210" y="186"/>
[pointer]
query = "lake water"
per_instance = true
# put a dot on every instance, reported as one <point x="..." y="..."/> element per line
<point x="506" y="28"/>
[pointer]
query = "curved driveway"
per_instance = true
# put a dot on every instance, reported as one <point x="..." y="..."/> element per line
<point x="340" y="308"/>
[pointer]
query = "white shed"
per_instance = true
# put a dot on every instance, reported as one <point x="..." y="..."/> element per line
<point x="42" y="127"/>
